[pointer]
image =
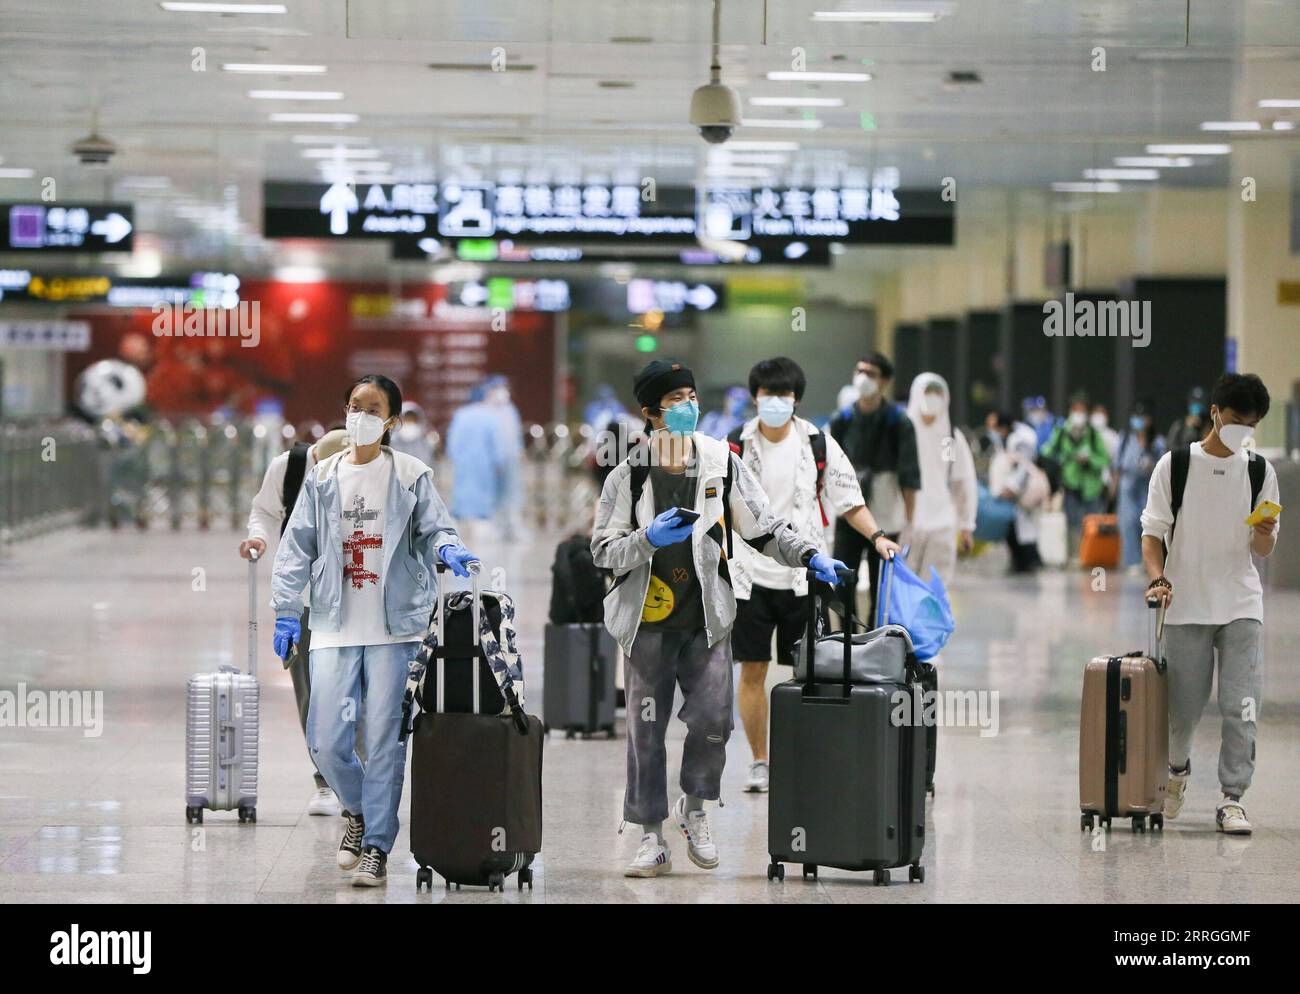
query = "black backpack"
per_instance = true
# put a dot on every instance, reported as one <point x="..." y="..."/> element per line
<point x="294" y="473"/>
<point x="1180" y="461"/>
<point x="577" y="584"/>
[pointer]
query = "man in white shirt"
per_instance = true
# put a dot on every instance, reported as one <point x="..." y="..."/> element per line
<point x="268" y="516"/>
<point x="1199" y="498"/>
<point x="799" y="468"/>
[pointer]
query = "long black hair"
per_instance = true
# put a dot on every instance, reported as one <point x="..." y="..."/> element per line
<point x="392" y="392"/>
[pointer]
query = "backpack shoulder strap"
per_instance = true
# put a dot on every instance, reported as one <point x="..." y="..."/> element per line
<point x="1180" y="460"/>
<point x="294" y="473"/>
<point x="726" y="507"/>
<point x="1256" y="468"/>
<point x="640" y="466"/>
<point x="818" y="444"/>
<point x="733" y="439"/>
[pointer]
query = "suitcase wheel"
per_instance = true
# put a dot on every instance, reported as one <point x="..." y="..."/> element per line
<point x="609" y="730"/>
<point x="775" y="871"/>
<point x="1158" y="822"/>
<point x="497" y="881"/>
<point x="569" y="733"/>
<point x="526" y="877"/>
<point x="810" y="870"/>
<point x="930" y="788"/>
<point x="423" y="878"/>
<point x="193" y="814"/>
<point x="916" y="873"/>
<point x="881" y="878"/>
<point x="1105" y="823"/>
<point x="248" y="814"/>
<point x="1140" y="824"/>
<point x="1085" y="823"/>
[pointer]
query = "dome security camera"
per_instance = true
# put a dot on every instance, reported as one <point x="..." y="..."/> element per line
<point x="715" y="108"/>
<point x="715" y="111"/>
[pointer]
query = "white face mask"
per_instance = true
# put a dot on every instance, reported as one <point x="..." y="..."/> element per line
<point x="1078" y="419"/>
<point x="409" y="430"/>
<point x="364" y="429"/>
<point x="1235" y="436"/>
<point x="775" y="411"/>
<point x="865" y="385"/>
<point x="1098" y="421"/>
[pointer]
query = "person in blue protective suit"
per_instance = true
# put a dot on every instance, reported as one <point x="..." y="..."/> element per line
<point x="366" y="533"/>
<point x="1139" y="451"/>
<point x="510" y="450"/>
<point x="720" y="424"/>
<point x="474" y="448"/>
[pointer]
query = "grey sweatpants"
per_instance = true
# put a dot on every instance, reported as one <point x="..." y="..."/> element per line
<point x="658" y="662"/>
<point x="1190" y="651"/>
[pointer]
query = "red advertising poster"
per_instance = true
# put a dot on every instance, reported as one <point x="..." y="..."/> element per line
<point x="303" y="343"/>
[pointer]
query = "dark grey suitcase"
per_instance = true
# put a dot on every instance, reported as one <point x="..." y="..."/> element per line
<point x="578" y="693"/>
<point x="847" y="783"/>
<point x="476" y="779"/>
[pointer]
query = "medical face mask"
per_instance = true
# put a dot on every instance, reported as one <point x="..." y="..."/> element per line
<point x="865" y="385"/>
<point x="775" y="411"/>
<point x="1137" y="423"/>
<point x="1078" y="419"/>
<point x="1098" y="421"/>
<point x="680" y="419"/>
<point x="364" y="429"/>
<point x="409" y="431"/>
<point x="931" y="404"/>
<point x="1234" y="436"/>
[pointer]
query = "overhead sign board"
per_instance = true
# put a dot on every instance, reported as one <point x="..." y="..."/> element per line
<point x="54" y="227"/>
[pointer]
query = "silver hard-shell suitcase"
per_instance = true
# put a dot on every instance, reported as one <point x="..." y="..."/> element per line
<point x="221" y="732"/>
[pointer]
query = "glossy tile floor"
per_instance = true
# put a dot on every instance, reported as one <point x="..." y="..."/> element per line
<point x="101" y="818"/>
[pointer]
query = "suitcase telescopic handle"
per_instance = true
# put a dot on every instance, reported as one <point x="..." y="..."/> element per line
<point x="475" y="568"/>
<point x="1156" y="609"/>
<point x="850" y="582"/>
<point x="252" y="613"/>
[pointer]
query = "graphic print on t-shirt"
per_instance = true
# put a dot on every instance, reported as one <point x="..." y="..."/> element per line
<point x="659" y="601"/>
<point x="356" y="545"/>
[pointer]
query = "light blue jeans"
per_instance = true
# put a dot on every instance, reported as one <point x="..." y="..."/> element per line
<point x="345" y="683"/>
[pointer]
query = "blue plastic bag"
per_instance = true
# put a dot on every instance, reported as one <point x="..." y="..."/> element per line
<point x="920" y="606"/>
<point x="994" y="517"/>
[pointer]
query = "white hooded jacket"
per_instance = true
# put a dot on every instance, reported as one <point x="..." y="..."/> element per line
<point x="948" y="494"/>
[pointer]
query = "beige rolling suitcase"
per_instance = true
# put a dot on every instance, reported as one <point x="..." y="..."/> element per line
<point x="1124" y="736"/>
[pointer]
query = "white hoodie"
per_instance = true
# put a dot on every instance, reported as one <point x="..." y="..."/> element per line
<point x="948" y="495"/>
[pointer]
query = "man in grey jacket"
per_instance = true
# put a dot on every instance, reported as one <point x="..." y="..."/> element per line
<point x="662" y="528"/>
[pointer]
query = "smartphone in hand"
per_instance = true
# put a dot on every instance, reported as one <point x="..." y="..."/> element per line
<point x="687" y="516"/>
<point x="1266" y="509"/>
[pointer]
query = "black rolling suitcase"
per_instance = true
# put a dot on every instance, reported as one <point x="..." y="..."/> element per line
<point x="476" y="777"/>
<point x="847" y="783"/>
<point x="578" y="695"/>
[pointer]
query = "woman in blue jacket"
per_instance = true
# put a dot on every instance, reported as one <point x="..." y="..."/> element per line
<point x="366" y="533"/>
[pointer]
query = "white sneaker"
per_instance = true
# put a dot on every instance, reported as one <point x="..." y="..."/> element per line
<point x="757" y="782"/>
<point x="324" y="802"/>
<point x="1176" y="791"/>
<point x="372" y="869"/>
<point x="652" y="860"/>
<point x="699" y="840"/>
<point x="1230" y="818"/>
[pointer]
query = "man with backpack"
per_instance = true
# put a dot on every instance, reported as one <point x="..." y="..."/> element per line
<point x="1197" y="546"/>
<point x="269" y="515"/>
<point x="664" y="526"/>
<point x="1079" y="449"/>
<point x="880" y="441"/>
<point x="800" y="469"/>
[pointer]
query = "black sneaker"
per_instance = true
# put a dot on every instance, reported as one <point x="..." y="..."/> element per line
<point x="373" y="870"/>
<point x="350" y="847"/>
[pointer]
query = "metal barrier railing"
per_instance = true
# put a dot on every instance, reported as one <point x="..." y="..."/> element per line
<point x="50" y="477"/>
<point x="202" y="473"/>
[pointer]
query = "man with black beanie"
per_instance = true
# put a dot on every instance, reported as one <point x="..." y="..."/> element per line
<point x="663" y="525"/>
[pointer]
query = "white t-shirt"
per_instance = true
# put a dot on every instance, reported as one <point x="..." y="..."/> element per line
<point x="1215" y="581"/>
<point x="363" y="495"/>
<point x="779" y="476"/>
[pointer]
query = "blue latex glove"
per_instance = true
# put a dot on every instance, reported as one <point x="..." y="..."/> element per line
<point x="457" y="558"/>
<point x="667" y="530"/>
<point x="824" y="566"/>
<point x="288" y="633"/>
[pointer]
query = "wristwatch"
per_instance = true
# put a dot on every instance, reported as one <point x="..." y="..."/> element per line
<point x="876" y="536"/>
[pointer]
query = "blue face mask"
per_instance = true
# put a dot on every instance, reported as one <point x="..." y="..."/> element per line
<point x="775" y="411"/>
<point x="1196" y="410"/>
<point x="1137" y="422"/>
<point x="680" y="419"/>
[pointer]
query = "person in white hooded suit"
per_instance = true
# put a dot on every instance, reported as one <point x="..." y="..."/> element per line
<point x="945" y="505"/>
